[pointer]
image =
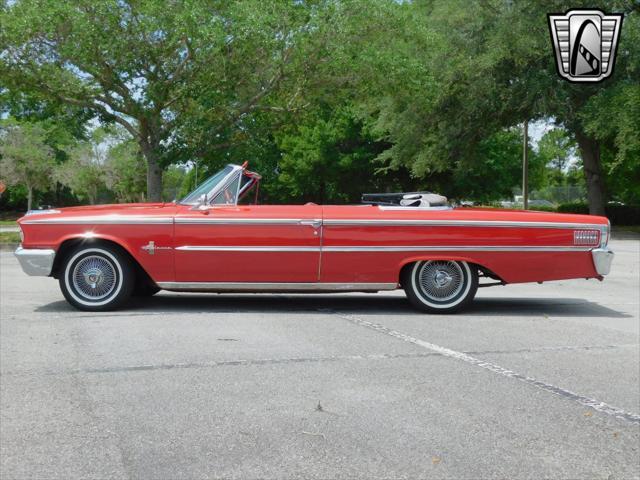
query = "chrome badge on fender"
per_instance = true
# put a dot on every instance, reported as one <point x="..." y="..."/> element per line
<point x="585" y="43"/>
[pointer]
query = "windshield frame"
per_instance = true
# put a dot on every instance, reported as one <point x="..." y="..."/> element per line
<point x="213" y="190"/>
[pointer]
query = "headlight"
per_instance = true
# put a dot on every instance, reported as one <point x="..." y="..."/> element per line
<point x="21" y="234"/>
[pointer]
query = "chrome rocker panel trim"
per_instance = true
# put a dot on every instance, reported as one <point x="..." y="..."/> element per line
<point x="602" y="258"/>
<point x="274" y="287"/>
<point x="36" y="262"/>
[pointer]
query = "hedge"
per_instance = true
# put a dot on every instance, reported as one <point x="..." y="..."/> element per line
<point x="617" y="214"/>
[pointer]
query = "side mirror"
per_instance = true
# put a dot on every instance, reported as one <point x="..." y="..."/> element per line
<point x="202" y="205"/>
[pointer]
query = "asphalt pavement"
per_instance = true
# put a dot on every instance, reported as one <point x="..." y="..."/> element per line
<point x="534" y="381"/>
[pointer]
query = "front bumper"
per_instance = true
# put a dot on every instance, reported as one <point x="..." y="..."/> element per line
<point x="602" y="258"/>
<point x="36" y="262"/>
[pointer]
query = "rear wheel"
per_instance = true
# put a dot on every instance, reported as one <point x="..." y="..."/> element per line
<point x="96" y="278"/>
<point x="440" y="286"/>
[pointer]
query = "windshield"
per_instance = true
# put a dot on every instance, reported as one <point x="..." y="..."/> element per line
<point x="207" y="186"/>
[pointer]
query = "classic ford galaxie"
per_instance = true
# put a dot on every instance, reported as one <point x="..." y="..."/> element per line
<point x="217" y="240"/>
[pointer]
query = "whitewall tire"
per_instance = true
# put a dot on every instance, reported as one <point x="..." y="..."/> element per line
<point x="97" y="277"/>
<point x="440" y="286"/>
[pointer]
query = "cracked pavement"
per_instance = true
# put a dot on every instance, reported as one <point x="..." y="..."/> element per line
<point x="533" y="381"/>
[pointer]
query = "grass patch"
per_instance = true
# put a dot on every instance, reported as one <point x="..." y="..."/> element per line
<point x="9" y="237"/>
<point x="8" y="223"/>
<point x="626" y="228"/>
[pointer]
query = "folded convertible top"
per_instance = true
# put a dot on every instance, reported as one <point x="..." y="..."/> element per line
<point x="406" y="199"/>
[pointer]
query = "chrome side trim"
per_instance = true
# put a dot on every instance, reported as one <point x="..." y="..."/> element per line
<point x="602" y="258"/>
<point x="102" y="220"/>
<point x="276" y="286"/>
<point x="455" y="248"/>
<point x="402" y="248"/>
<point x="132" y="220"/>
<point x="225" y="248"/>
<point x="36" y="262"/>
<point x="239" y="221"/>
<point x="453" y="223"/>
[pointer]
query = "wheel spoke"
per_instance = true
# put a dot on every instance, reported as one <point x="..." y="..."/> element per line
<point x="441" y="280"/>
<point x="94" y="277"/>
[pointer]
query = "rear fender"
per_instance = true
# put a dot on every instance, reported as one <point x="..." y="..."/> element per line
<point x="457" y="258"/>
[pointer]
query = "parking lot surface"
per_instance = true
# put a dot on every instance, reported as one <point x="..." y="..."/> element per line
<point x="533" y="381"/>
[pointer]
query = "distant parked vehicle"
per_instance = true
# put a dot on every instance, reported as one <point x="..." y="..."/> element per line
<point x="541" y="203"/>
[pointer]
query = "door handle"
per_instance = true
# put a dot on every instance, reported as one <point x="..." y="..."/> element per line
<point x="315" y="223"/>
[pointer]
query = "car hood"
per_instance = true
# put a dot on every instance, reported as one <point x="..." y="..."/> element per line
<point x="85" y="214"/>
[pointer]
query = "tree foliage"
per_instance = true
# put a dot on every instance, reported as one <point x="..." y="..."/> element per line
<point x="123" y="171"/>
<point x="500" y="170"/>
<point x="495" y="69"/>
<point x="558" y="151"/>
<point x="25" y="157"/>
<point x="193" y="71"/>
<point x="326" y="99"/>
<point x="84" y="171"/>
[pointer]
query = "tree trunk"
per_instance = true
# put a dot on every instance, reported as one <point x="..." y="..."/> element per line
<point x="590" y="151"/>
<point x="29" y="197"/>
<point x="154" y="173"/>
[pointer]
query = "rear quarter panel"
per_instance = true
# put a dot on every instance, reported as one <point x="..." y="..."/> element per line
<point x="517" y="246"/>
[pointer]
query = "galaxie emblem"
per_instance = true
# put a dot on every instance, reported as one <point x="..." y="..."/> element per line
<point x="585" y="43"/>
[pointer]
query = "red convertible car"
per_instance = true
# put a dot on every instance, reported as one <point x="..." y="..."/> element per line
<point x="217" y="240"/>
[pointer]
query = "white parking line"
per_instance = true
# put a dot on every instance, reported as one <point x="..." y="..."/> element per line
<point x="492" y="367"/>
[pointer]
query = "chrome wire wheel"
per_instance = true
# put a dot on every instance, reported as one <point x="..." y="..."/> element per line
<point x="441" y="281"/>
<point x="94" y="277"/>
<point x="97" y="277"/>
<point x="440" y="286"/>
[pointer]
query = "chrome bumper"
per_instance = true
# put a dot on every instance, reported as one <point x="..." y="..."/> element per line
<point x="36" y="262"/>
<point x="602" y="258"/>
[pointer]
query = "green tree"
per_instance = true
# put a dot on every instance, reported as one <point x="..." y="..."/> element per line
<point x="495" y="69"/>
<point x="557" y="149"/>
<point x="84" y="171"/>
<point x="124" y="171"/>
<point x="331" y="158"/>
<point x="189" y="72"/>
<point x="174" y="180"/>
<point x="613" y="118"/>
<point x="25" y="157"/>
<point x="497" y="171"/>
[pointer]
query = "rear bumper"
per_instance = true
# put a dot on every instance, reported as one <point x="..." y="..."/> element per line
<point x="36" y="262"/>
<point x="602" y="258"/>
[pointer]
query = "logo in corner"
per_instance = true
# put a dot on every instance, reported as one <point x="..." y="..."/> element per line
<point x="585" y="43"/>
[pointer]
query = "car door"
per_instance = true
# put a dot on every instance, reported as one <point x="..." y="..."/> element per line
<point x="248" y="243"/>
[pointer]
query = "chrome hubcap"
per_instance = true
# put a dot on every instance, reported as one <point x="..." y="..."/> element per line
<point x="94" y="277"/>
<point x="441" y="280"/>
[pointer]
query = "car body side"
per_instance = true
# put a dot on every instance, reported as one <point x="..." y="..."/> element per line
<point x="177" y="245"/>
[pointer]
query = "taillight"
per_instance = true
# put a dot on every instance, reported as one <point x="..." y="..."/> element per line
<point x="586" y="237"/>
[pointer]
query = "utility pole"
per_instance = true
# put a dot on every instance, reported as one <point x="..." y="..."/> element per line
<point x="525" y="166"/>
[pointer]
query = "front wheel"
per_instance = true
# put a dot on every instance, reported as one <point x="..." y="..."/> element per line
<point x="97" y="278"/>
<point x="440" y="286"/>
